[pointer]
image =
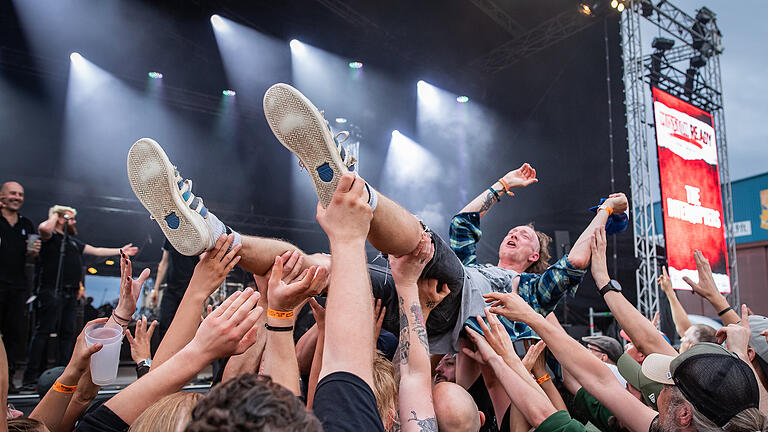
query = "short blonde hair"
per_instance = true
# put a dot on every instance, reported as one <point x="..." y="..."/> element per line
<point x="169" y="414"/>
<point x="61" y="209"/>
<point x="384" y="386"/>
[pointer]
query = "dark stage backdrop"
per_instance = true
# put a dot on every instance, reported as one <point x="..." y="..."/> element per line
<point x="66" y="130"/>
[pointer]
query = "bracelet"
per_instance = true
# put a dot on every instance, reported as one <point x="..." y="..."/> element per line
<point x="724" y="311"/>
<point x="118" y="317"/>
<point x="278" y="329"/>
<point x="544" y="378"/>
<point x="61" y="388"/>
<point x="607" y="208"/>
<point x="279" y="314"/>
<point x="506" y="187"/>
<point x="496" y="194"/>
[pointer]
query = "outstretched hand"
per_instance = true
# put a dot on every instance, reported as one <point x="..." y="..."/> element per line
<point x="705" y="287"/>
<point x="497" y="336"/>
<point x="510" y="306"/>
<point x="292" y="262"/>
<point x="429" y="296"/>
<point x="736" y="336"/>
<point x="283" y="296"/>
<point x="140" y="343"/>
<point x="407" y="269"/>
<point x="599" y="265"/>
<point x="348" y="216"/>
<point x="521" y="177"/>
<point x="231" y="328"/>
<point x="665" y="282"/>
<point x="618" y="202"/>
<point x="534" y="360"/>
<point x="483" y="352"/>
<point x="130" y="249"/>
<point x="129" y="288"/>
<point x="215" y="265"/>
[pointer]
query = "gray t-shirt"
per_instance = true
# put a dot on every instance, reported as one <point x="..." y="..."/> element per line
<point x="478" y="280"/>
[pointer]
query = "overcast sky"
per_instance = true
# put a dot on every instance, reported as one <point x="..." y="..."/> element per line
<point x="744" y="69"/>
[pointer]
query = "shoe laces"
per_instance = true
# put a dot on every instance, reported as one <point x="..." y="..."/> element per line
<point x="185" y="189"/>
<point x="340" y="138"/>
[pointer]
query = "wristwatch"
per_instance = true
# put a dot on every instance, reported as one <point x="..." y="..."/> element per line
<point x="146" y="362"/>
<point x="611" y="286"/>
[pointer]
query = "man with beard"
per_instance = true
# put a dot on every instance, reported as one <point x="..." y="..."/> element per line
<point x="56" y="305"/>
<point x="14" y="252"/>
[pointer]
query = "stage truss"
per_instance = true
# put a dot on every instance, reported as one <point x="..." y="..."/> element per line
<point x="672" y="70"/>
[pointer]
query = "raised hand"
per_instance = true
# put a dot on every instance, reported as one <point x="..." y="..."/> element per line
<point x="483" y="353"/>
<point x="429" y="296"/>
<point x="510" y="306"/>
<point x="319" y="313"/>
<point x="664" y="281"/>
<point x="497" y="336"/>
<point x="521" y="177"/>
<point x="599" y="265"/>
<point x="705" y="287"/>
<point x="231" y="328"/>
<point x="348" y="216"/>
<point x="618" y="202"/>
<point x="129" y="289"/>
<point x="140" y="342"/>
<point x="379" y="312"/>
<point x="534" y="359"/>
<point x="407" y="269"/>
<point x="736" y="336"/>
<point x="81" y="355"/>
<point x="130" y="249"/>
<point x="282" y="296"/>
<point x="215" y="265"/>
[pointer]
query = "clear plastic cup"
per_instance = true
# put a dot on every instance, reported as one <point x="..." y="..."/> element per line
<point x="104" y="363"/>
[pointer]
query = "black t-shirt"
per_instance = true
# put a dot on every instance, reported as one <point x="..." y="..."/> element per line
<point x="102" y="419"/>
<point x="72" y="266"/>
<point x="13" y="249"/>
<point x="479" y="393"/>
<point x="180" y="268"/>
<point x="344" y="402"/>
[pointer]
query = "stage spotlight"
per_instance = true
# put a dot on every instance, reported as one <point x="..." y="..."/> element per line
<point x="462" y="99"/>
<point x="109" y="262"/>
<point x="341" y="120"/>
<point x="75" y="57"/>
<point x="614" y="3"/>
<point x="92" y="270"/>
<point x="698" y="61"/>
<point x="297" y="47"/>
<point x="228" y="92"/>
<point x="620" y="7"/>
<point x="647" y="8"/>
<point x="588" y="7"/>
<point x="395" y="133"/>
<point x="355" y="65"/>
<point x="662" y="44"/>
<point x="155" y="75"/>
<point x="217" y="21"/>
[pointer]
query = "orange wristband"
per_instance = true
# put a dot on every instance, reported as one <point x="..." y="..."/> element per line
<point x="546" y="377"/>
<point x="607" y="208"/>
<point x="279" y="314"/>
<point x="506" y="187"/>
<point x="61" y="388"/>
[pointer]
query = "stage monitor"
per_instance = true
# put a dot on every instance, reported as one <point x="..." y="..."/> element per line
<point x="690" y="190"/>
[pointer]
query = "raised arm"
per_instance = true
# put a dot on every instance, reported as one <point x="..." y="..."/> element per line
<point x="52" y="407"/>
<point x="280" y="354"/>
<point x="706" y="288"/>
<point x="48" y="226"/>
<point x="229" y="330"/>
<point x="209" y="273"/>
<point x="162" y="269"/>
<point x="349" y="325"/>
<point x="415" y="390"/>
<point x="679" y="316"/>
<point x="317" y="360"/>
<point x="586" y="368"/>
<point x="128" y="249"/>
<point x="642" y="332"/>
<point x="579" y="254"/>
<point x="519" y="178"/>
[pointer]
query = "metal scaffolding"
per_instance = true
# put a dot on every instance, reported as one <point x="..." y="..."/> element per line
<point x="699" y="83"/>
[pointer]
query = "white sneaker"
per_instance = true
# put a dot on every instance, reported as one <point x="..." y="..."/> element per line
<point x="303" y="130"/>
<point x="185" y="221"/>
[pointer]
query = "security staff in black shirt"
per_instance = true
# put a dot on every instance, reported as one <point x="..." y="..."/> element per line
<point x="179" y="269"/>
<point x="15" y="250"/>
<point x="56" y="307"/>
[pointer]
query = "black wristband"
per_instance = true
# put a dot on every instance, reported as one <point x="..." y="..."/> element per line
<point x="278" y="329"/>
<point x="496" y="194"/>
<point x="724" y="311"/>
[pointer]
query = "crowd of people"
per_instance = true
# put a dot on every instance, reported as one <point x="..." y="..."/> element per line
<point x="429" y="342"/>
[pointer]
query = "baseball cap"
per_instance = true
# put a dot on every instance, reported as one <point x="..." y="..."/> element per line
<point x="47" y="379"/>
<point x="714" y="380"/>
<point x="607" y="344"/>
<point x="757" y="324"/>
<point x="632" y="372"/>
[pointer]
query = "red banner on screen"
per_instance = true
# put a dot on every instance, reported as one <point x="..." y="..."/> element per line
<point x="690" y="190"/>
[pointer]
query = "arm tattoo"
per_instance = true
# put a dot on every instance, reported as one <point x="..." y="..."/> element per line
<point x="419" y="326"/>
<point x="427" y="425"/>
<point x="405" y="342"/>
<point x="488" y="201"/>
<point x="431" y="304"/>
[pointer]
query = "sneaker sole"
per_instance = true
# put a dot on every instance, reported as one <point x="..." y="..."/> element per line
<point x="300" y="128"/>
<point x="152" y="179"/>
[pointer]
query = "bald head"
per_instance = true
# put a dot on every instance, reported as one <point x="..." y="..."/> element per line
<point x="12" y="196"/>
<point x="455" y="409"/>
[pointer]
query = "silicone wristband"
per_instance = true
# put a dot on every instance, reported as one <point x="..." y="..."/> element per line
<point x="61" y="388"/>
<point x="546" y="377"/>
<point x="279" y="314"/>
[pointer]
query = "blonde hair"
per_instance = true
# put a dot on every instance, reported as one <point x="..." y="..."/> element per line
<point x="169" y="414"/>
<point x="384" y="386"/>
<point x="61" y="209"/>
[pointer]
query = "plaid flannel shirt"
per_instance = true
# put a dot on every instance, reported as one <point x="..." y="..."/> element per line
<point x="541" y="291"/>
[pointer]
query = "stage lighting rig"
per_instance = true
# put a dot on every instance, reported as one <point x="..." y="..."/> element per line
<point x="662" y="44"/>
<point x="646" y="8"/>
<point x="589" y="7"/>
